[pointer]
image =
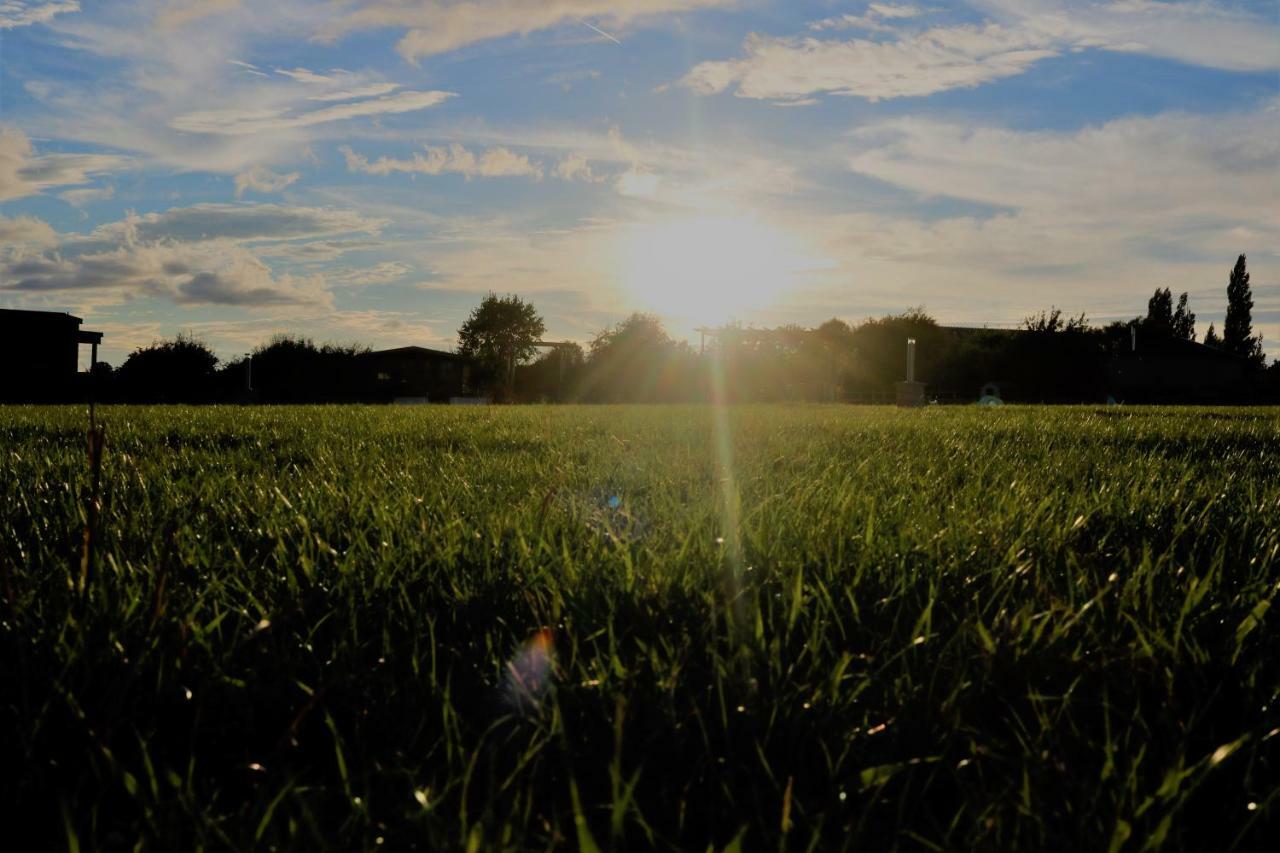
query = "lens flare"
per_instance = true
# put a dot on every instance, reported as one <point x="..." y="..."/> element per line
<point x="529" y="673"/>
<point x="730" y="537"/>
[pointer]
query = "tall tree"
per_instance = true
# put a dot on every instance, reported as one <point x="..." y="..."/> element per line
<point x="1184" y="320"/>
<point x="1159" y="319"/>
<point x="1237" y="330"/>
<point x="500" y="334"/>
<point x="1211" y="338"/>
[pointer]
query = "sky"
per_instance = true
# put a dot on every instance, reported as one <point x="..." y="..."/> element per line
<point x="364" y="171"/>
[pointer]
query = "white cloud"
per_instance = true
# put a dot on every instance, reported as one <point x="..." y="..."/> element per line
<point x="439" y="26"/>
<point x="179" y="13"/>
<point x="873" y="20"/>
<point x="252" y="121"/>
<point x="198" y="98"/>
<point x="381" y="273"/>
<point x="23" y="172"/>
<point x="1091" y="219"/>
<point x="80" y="198"/>
<point x="575" y="167"/>
<point x="1135" y="170"/>
<point x="183" y="273"/>
<point x="242" y="223"/>
<point x="262" y="180"/>
<point x="370" y="91"/>
<point x="304" y="75"/>
<point x="24" y="13"/>
<point x="933" y="61"/>
<point x="455" y="159"/>
<point x="1023" y="33"/>
<point x="638" y="184"/>
<point x="25" y="230"/>
<point x="192" y="255"/>
<point x="1199" y="32"/>
<point x="894" y="10"/>
<point x="316" y="251"/>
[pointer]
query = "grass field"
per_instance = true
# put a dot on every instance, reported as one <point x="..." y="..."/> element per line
<point x="628" y="628"/>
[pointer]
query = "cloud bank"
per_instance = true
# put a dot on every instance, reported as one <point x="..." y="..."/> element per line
<point x="199" y="255"/>
<point x="23" y="172"/>
<point x="439" y="26"/>
<point x="1019" y="34"/>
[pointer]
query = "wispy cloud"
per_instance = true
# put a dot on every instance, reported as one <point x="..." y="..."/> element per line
<point x="262" y="180"/>
<point x="23" y="172"/>
<point x="454" y="159"/>
<point x="933" y="61"/>
<point x="1021" y="34"/>
<point x="196" y="96"/>
<point x="179" y="13"/>
<point x="440" y="26"/>
<point x="874" y="19"/>
<point x="1200" y="32"/>
<point x="242" y="122"/>
<point x="24" y="13"/>
<point x="381" y="273"/>
<point x="1137" y="170"/>
<point x="80" y="198"/>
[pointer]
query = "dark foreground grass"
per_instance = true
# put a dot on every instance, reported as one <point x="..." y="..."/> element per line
<point x="839" y="627"/>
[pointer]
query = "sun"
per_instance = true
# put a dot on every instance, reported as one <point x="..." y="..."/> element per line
<point x="709" y="269"/>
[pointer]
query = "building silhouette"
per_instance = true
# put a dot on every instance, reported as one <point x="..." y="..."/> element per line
<point x="40" y="355"/>
<point x="418" y="373"/>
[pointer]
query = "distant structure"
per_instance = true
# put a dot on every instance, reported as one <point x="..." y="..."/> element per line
<point x="40" y="355"/>
<point x="910" y="393"/>
<point x="1158" y="370"/>
<point x="418" y="374"/>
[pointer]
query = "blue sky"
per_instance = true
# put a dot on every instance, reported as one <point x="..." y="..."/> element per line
<point x="365" y="170"/>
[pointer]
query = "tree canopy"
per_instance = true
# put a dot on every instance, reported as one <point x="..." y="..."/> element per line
<point x="176" y="371"/>
<point x="499" y="335"/>
<point x="1237" y="330"/>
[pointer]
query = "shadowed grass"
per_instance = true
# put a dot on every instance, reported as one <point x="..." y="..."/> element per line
<point x="1018" y="628"/>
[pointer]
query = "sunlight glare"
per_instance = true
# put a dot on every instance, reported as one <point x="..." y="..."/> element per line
<point x="710" y="269"/>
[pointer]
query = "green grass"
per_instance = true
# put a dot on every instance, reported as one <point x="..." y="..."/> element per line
<point x="1019" y="628"/>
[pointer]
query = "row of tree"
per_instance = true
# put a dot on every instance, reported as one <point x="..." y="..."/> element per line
<point x="1052" y="357"/>
<point x="1166" y="321"/>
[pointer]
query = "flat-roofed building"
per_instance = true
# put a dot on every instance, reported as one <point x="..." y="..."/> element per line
<point x="40" y="354"/>
<point x="419" y="373"/>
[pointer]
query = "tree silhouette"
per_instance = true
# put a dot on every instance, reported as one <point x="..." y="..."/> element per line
<point x="1159" y="320"/>
<point x="1183" y="324"/>
<point x="176" y="371"/>
<point x="294" y="370"/>
<point x="1237" y="330"/>
<point x="637" y="361"/>
<point x="1211" y="338"/>
<point x="499" y="335"/>
<point x="1051" y="322"/>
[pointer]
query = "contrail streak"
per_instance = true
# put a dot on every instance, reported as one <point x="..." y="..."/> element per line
<point x="602" y="32"/>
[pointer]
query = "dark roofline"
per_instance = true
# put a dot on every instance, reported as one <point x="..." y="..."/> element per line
<point x="414" y="350"/>
<point x="970" y="330"/>
<point x="40" y="314"/>
<point x="1167" y="345"/>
